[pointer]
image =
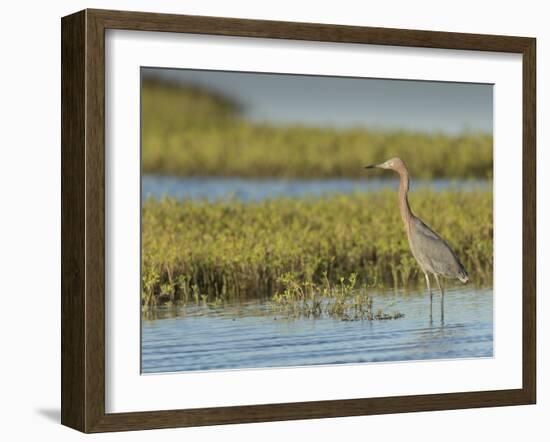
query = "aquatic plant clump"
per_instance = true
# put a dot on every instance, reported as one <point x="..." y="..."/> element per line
<point x="342" y="300"/>
<point x="229" y="250"/>
<point x="191" y="132"/>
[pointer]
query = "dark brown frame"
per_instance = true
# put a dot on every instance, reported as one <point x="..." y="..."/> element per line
<point x="83" y="216"/>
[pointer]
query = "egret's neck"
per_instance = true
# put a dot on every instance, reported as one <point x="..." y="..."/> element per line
<point x="404" y="207"/>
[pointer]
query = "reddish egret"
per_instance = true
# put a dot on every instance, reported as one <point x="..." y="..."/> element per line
<point x="432" y="252"/>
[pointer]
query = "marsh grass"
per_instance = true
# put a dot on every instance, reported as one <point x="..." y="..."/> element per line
<point x="188" y="131"/>
<point x="197" y="251"/>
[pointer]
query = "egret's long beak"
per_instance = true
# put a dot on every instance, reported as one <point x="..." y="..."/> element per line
<point x="372" y="166"/>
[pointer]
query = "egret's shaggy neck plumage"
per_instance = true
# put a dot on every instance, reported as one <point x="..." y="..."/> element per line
<point x="405" y="209"/>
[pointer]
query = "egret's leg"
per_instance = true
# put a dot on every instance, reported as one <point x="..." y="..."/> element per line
<point x="442" y="297"/>
<point x="430" y="292"/>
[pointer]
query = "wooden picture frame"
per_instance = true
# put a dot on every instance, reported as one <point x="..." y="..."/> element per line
<point x="83" y="220"/>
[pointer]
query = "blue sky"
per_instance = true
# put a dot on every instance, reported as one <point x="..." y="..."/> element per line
<point x="349" y="102"/>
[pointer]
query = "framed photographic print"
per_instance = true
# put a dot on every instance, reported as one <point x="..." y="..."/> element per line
<point x="270" y="220"/>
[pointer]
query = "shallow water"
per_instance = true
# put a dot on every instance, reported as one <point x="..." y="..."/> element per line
<point x="255" y="190"/>
<point x="251" y="336"/>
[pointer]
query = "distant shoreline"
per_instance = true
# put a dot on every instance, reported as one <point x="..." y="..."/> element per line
<point x="191" y="132"/>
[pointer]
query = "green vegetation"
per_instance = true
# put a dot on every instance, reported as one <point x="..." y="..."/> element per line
<point x="196" y="251"/>
<point x="192" y="132"/>
<point x="343" y="300"/>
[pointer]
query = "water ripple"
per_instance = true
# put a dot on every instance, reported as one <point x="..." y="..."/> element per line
<point x="225" y="339"/>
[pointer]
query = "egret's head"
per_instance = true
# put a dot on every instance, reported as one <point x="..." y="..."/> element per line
<point x="395" y="163"/>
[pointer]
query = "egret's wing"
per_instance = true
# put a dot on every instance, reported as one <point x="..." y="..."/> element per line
<point x="436" y="251"/>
